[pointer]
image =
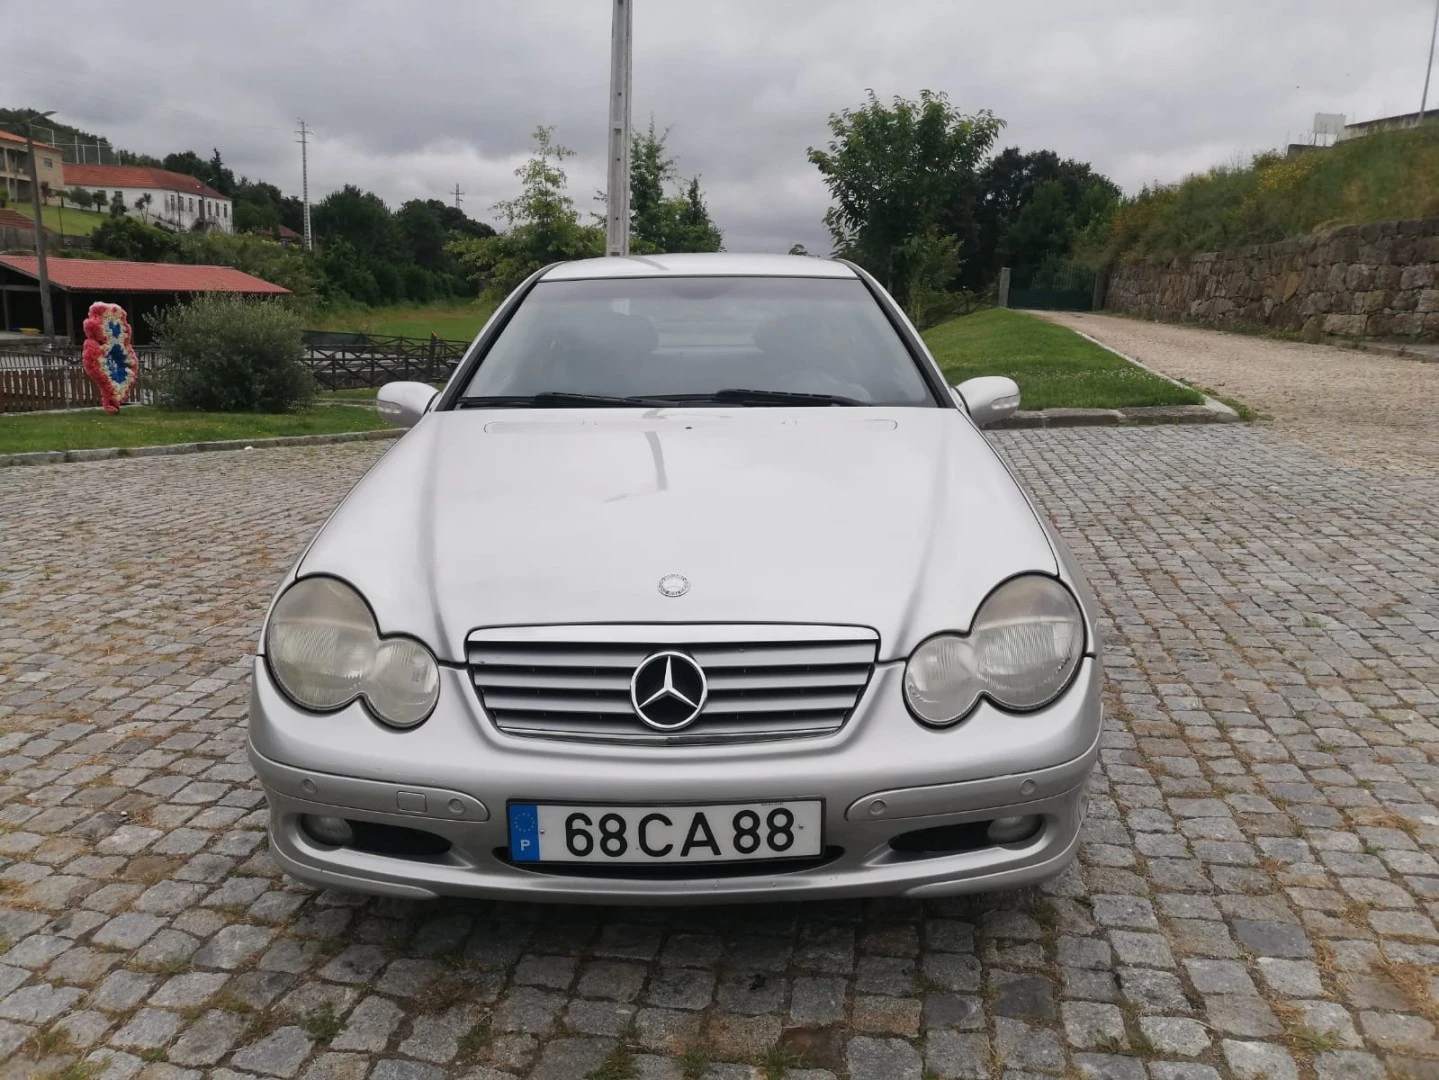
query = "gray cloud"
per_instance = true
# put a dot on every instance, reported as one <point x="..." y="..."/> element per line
<point x="409" y="99"/>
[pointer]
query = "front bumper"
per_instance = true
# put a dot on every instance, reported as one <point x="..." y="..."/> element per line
<point x="880" y="776"/>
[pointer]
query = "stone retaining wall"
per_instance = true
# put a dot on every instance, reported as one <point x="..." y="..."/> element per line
<point x="1379" y="280"/>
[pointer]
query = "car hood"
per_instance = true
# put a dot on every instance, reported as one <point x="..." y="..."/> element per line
<point x="900" y="520"/>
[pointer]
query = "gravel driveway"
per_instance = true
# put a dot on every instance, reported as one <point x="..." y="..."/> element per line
<point x="1255" y="897"/>
<point x="1375" y="411"/>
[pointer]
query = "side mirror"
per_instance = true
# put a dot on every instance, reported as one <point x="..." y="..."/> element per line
<point x="989" y="398"/>
<point x="403" y="403"/>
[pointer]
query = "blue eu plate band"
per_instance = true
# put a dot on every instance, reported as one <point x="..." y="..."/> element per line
<point x="524" y="832"/>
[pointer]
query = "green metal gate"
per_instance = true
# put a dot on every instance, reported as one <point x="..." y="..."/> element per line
<point x="1052" y="287"/>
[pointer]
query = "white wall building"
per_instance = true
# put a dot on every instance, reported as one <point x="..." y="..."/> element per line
<point x="176" y="201"/>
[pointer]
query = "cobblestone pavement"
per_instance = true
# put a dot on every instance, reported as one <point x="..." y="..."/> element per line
<point x="1255" y="897"/>
<point x="1375" y="411"/>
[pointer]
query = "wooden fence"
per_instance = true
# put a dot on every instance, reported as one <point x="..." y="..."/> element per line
<point x="34" y="380"/>
<point x="356" y="361"/>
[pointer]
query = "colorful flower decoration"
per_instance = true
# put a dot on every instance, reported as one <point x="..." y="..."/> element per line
<point x="109" y="357"/>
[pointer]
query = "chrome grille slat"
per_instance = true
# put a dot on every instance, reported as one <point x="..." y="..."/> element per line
<point x="765" y="682"/>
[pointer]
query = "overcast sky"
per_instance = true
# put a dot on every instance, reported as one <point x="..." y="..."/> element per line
<point x="410" y="98"/>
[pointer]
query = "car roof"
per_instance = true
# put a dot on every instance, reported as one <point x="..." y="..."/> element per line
<point x="699" y="264"/>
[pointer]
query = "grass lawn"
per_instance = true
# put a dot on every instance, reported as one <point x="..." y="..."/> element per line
<point x="454" y="322"/>
<point x="76" y="222"/>
<point x="1054" y="367"/>
<point x="142" y="425"/>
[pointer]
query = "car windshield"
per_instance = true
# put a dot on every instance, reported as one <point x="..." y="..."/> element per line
<point x="734" y="340"/>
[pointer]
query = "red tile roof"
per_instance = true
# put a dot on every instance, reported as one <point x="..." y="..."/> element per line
<point x="136" y="176"/>
<point x="95" y="275"/>
<point x="10" y="136"/>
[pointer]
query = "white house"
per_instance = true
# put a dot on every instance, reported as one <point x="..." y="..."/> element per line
<point x="176" y="201"/>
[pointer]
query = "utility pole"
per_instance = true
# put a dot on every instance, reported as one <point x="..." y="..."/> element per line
<point x="304" y="142"/>
<point x="457" y="193"/>
<point x="47" y="314"/>
<point x="1424" y="101"/>
<point x="617" y="198"/>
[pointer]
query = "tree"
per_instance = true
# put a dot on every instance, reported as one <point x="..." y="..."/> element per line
<point x="362" y="219"/>
<point x="117" y="205"/>
<point x="211" y="171"/>
<point x="798" y="249"/>
<point x="661" y="221"/>
<point x="892" y="170"/>
<point x="543" y="225"/>
<point x="142" y="204"/>
<point x="422" y="226"/>
<point x="1008" y="184"/>
<point x="79" y="196"/>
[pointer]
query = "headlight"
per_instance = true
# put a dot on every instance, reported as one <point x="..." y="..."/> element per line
<point x="1022" y="651"/>
<point x="325" y="651"/>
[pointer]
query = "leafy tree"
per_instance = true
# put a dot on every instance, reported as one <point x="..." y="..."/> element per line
<point x="543" y="225"/>
<point x="79" y="196"/>
<point x="347" y="275"/>
<point x="798" y="249"/>
<point x="257" y="255"/>
<point x="1009" y="183"/>
<point x="931" y="261"/>
<point x="456" y="220"/>
<point x="212" y="171"/>
<point x="660" y="221"/>
<point x="117" y="205"/>
<point x="422" y="226"/>
<point x="142" y="204"/>
<point x="892" y="170"/>
<point x="362" y="220"/>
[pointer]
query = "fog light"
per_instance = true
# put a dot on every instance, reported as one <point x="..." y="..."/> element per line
<point x="1011" y="830"/>
<point x="328" y="830"/>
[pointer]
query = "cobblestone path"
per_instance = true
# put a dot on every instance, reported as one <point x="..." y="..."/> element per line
<point x="1255" y="897"/>
<point x="1368" y="409"/>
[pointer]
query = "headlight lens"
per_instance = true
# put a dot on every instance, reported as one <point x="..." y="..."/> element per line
<point x="325" y="651"/>
<point x="1022" y="651"/>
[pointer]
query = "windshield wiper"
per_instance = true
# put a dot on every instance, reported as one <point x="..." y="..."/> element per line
<point x="557" y="399"/>
<point x="740" y="396"/>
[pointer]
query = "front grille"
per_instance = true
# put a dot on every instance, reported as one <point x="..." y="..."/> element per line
<point x="765" y="682"/>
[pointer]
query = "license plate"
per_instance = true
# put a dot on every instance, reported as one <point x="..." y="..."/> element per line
<point x="722" y="832"/>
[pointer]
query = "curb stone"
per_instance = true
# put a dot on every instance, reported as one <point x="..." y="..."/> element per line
<point x="62" y="457"/>
<point x="1212" y="412"/>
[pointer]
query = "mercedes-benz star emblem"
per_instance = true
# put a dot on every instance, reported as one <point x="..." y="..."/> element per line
<point x="674" y="585"/>
<point x="668" y="690"/>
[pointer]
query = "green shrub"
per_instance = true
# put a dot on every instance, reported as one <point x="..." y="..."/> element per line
<point x="232" y="354"/>
<point x="126" y="238"/>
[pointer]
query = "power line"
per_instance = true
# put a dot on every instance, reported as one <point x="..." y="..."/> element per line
<point x="304" y="141"/>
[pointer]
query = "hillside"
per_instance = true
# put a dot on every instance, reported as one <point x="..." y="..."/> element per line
<point x="1384" y="177"/>
<point x="69" y="220"/>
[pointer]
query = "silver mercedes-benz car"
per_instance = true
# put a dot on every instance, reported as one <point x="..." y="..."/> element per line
<point x="695" y="583"/>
